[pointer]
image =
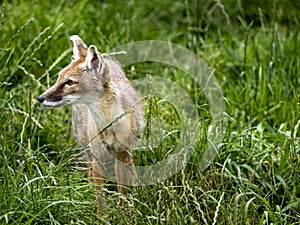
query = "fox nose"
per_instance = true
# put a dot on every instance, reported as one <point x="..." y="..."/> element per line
<point x="40" y="99"/>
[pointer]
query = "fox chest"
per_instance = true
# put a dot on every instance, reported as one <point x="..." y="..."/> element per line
<point x="97" y="134"/>
<point x="113" y="130"/>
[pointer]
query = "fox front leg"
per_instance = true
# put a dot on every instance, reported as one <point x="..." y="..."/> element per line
<point x="125" y="172"/>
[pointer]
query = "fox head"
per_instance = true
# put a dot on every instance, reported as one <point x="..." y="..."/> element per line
<point x="81" y="81"/>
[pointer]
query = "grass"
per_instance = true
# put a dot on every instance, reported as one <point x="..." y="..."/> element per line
<point x="253" y="48"/>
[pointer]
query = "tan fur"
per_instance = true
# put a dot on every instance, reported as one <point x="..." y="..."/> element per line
<point x="107" y="112"/>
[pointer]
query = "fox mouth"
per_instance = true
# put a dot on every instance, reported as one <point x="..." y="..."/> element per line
<point x="56" y="104"/>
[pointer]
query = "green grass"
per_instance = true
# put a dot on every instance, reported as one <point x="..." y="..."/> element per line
<point x="254" y="49"/>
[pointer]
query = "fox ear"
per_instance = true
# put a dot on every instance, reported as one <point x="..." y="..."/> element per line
<point x="79" y="47"/>
<point x="94" y="59"/>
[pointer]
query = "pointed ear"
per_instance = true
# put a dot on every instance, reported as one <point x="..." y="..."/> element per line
<point x="94" y="59"/>
<point x="79" y="47"/>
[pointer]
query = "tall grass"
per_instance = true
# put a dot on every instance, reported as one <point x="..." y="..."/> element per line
<point x="254" y="51"/>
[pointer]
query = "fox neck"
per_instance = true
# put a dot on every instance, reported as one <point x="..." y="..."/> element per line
<point x="104" y="108"/>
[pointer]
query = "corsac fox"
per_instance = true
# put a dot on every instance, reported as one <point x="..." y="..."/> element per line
<point x="108" y="112"/>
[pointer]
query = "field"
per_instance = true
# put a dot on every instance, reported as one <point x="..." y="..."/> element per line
<point x="253" y="49"/>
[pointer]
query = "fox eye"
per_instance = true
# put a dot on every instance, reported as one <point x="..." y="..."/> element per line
<point x="70" y="82"/>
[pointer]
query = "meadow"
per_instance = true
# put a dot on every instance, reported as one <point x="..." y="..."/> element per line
<point x="253" y="49"/>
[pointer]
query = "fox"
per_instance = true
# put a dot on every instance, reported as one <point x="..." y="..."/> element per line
<point x="107" y="114"/>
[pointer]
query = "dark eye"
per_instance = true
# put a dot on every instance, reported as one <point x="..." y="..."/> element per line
<point x="70" y="82"/>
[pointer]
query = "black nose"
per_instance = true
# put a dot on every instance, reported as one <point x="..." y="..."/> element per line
<point x="40" y="99"/>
